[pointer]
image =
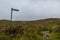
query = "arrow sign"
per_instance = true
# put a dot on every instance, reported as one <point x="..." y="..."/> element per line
<point x="14" y="9"/>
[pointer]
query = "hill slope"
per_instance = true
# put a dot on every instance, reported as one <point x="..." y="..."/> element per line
<point x="29" y="30"/>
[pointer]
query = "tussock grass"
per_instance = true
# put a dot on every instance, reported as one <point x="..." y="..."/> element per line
<point x="29" y="30"/>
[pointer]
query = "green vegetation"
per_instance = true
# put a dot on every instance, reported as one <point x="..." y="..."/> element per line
<point x="29" y="30"/>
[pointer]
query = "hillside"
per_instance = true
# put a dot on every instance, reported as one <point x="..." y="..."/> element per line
<point x="29" y="30"/>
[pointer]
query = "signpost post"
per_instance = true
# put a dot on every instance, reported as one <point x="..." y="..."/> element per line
<point x="12" y="12"/>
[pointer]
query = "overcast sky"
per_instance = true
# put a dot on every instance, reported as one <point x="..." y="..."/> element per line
<point x="30" y="9"/>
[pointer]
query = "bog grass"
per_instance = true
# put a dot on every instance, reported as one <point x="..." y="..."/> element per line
<point x="29" y="30"/>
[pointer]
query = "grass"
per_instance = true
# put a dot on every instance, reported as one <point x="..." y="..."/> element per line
<point x="29" y="30"/>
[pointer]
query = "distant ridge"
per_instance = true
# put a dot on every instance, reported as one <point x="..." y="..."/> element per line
<point x="34" y="20"/>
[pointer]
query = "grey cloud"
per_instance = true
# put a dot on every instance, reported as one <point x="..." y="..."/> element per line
<point x="30" y="9"/>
